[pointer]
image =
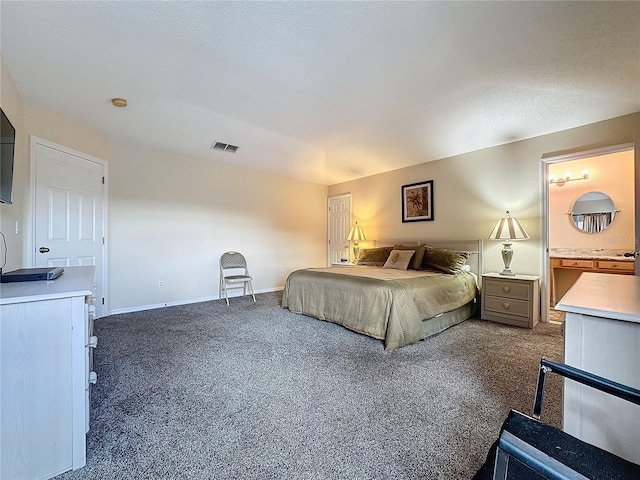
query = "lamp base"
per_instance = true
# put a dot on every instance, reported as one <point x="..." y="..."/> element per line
<point x="507" y="255"/>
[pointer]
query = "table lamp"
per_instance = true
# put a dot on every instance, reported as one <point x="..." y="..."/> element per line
<point x="508" y="229"/>
<point x="356" y="234"/>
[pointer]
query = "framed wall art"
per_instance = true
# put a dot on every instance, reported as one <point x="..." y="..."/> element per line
<point x="417" y="202"/>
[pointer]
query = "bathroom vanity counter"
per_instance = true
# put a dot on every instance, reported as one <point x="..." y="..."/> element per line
<point x="592" y="254"/>
<point x="576" y="261"/>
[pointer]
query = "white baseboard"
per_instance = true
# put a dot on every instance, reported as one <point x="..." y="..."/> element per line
<point x="142" y="308"/>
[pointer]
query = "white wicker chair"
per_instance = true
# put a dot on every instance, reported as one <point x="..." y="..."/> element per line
<point x="235" y="263"/>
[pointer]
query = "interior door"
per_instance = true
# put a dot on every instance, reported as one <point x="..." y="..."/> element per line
<point x="69" y="211"/>
<point x="338" y="228"/>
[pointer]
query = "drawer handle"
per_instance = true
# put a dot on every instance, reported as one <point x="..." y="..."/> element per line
<point x="506" y="305"/>
<point x="615" y="265"/>
<point x="506" y="289"/>
<point x="575" y="263"/>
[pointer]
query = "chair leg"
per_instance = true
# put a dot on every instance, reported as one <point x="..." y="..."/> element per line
<point x="225" y="291"/>
<point x="251" y="288"/>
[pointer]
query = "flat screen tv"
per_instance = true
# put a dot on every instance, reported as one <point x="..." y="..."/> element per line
<point x="7" y="148"/>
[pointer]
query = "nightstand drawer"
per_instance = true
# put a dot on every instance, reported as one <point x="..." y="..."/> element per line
<point x="507" y="306"/>
<point x="507" y="289"/>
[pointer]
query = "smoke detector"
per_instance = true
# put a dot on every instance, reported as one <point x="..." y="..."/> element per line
<point x="119" y="102"/>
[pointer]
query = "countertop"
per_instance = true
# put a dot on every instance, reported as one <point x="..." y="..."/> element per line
<point x="74" y="282"/>
<point x="604" y="295"/>
<point x="596" y="254"/>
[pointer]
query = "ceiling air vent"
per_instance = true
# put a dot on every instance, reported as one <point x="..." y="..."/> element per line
<point x="224" y="146"/>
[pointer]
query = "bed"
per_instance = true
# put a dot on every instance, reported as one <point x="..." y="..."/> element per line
<point x="398" y="306"/>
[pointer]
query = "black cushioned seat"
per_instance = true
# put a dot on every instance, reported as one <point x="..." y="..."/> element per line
<point x="586" y="459"/>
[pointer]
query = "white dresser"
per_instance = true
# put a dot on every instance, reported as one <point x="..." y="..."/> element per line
<point x="45" y="343"/>
<point x="602" y="336"/>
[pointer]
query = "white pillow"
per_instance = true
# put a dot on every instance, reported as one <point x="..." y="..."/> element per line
<point x="399" y="259"/>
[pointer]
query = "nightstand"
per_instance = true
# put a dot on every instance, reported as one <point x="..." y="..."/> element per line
<point x="343" y="264"/>
<point x="512" y="300"/>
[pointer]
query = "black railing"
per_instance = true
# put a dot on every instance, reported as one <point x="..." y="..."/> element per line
<point x="600" y="383"/>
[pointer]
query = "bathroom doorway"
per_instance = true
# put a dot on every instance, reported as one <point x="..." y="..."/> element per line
<point x="589" y="211"/>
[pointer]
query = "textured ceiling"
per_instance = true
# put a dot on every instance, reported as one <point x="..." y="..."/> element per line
<point x="326" y="91"/>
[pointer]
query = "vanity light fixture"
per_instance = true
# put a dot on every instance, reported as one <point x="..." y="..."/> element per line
<point x="567" y="178"/>
<point x="508" y="229"/>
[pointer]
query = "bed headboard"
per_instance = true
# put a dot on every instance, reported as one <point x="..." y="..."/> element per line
<point x="474" y="247"/>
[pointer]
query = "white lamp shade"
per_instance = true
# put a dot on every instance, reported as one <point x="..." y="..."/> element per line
<point x="508" y="228"/>
<point x="356" y="233"/>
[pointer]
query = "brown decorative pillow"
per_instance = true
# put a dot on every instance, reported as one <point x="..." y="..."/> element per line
<point x="399" y="259"/>
<point x="416" y="261"/>
<point x="374" y="256"/>
<point x="447" y="261"/>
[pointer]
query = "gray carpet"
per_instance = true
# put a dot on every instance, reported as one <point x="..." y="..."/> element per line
<point x="252" y="391"/>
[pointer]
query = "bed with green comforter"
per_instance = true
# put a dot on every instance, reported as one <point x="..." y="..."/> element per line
<point x="399" y="307"/>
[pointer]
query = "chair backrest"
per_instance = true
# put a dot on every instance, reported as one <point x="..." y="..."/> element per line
<point x="232" y="260"/>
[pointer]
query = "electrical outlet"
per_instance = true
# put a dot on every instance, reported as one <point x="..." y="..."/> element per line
<point x="161" y="284"/>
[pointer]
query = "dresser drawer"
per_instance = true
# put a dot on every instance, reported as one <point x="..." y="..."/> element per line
<point x="613" y="265"/>
<point x="507" y="306"/>
<point x="507" y="289"/>
<point x="569" y="262"/>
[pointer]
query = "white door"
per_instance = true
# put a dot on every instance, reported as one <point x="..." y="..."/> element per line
<point x="69" y="211"/>
<point x="338" y="228"/>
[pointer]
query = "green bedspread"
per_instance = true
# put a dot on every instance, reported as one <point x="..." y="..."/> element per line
<point x="382" y="303"/>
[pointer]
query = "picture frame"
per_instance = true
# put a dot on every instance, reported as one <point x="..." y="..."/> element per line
<point x="417" y="202"/>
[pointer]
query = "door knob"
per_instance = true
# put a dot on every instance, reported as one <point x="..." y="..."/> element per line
<point x="44" y="250"/>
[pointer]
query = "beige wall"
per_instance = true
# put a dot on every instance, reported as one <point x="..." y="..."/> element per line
<point x="13" y="106"/>
<point x="171" y="217"/>
<point x="611" y="174"/>
<point x="473" y="190"/>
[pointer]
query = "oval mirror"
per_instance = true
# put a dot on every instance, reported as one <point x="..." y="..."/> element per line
<point x="593" y="212"/>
